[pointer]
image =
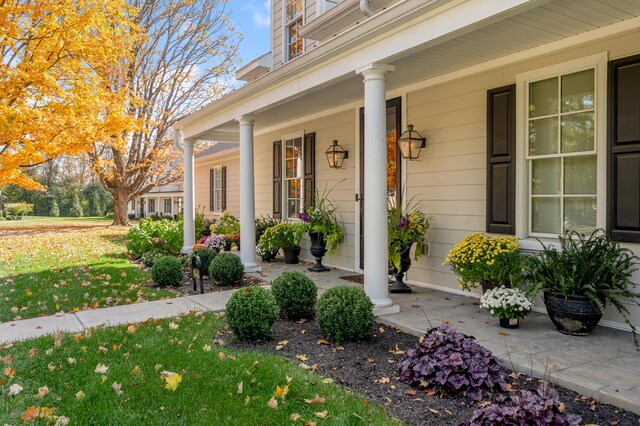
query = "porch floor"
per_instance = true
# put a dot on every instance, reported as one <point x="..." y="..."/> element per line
<point x="604" y="366"/>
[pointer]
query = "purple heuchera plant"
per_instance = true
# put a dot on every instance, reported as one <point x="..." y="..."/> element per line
<point x="451" y="363"/>
<point x="542" y="407"/>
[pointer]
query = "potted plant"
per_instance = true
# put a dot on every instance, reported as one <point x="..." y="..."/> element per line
<point x="226" y="225"/>
<point x="404" y="229"/>
<point x="262" y="224"/>
<point x="215" y="242"/>
<point x="507" y="304"/>
<point x="286" y="236"/>
<point x="579" y="276"/>
<point x="485" y="260"/>
<point x="324" y="231"/>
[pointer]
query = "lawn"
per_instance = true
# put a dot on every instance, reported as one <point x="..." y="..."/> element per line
<point x="173" y="371"/>
<point x="48" y="265"/>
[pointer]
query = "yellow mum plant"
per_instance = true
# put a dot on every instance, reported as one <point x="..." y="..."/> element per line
<point x="481" y="258"/>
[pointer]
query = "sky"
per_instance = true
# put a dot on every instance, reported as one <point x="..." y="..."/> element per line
<point x="251" y="18"/>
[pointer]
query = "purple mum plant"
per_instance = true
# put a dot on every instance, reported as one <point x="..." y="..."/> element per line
<point x="451" y="363"/>
<point x="541" y="408"/>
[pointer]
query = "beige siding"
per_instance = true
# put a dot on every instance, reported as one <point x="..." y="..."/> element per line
<point x="340" y="127"/>
<point x="450" y="177"/>
<point x="201" y="182"/>
<point x="277" y="32"/>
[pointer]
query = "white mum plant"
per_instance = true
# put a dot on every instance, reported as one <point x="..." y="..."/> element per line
<point x="504" y="302"/>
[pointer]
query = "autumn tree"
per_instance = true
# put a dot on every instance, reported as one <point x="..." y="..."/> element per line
<point x="184" y="62"/>
<point x="57" y="61"/>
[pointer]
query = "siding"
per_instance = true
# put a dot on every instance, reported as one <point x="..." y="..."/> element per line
<point x="277" y="33"/>
<point x="449" y="180"/>
<point x="341" y="127"/>
<point x="201" y="183"/>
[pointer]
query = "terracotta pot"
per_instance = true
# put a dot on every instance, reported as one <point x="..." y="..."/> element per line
<point x="198" y="246"/>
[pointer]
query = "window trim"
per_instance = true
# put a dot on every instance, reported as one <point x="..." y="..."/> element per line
<point x="286" y="54"/>
<point x="599" y="63"/>
<point x="285" y="194"/>
<point x="217" y="174"/>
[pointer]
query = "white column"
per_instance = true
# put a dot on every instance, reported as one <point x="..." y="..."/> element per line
<point x="247" y="197"/>
<point x="376" y="260"/>
<point x="189" y="206"/>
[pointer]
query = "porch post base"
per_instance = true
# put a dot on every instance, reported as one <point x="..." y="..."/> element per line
<point x="251" y="267"/>
<point x="186" y="250"/>
<point x="393" y="309"/>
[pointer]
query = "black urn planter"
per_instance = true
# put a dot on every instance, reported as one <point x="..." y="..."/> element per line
<point x="575" y="315"/>
<point x="399" y="286"/>
<point x="227" y="246"/>
<point x="318" y="249"/>
<point x="291" y="255"/>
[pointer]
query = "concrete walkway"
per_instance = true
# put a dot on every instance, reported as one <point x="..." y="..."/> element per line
<point x="604" y="366"/>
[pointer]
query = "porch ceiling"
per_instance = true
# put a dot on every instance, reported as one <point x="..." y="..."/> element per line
<point x="552" y="21"/>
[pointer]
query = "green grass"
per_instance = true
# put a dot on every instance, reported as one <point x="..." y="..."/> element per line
<point x="57" y="264"/>
<point x="207" y="394"/>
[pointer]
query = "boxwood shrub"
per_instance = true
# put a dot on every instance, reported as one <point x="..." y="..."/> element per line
<point x="149" y="258"/>
<point x="295" y="294"/>
<point x="167" y="271"/>
<point x="226" y="269"/>
<point x="345" y="313"/>
<point x="251" y="312"/>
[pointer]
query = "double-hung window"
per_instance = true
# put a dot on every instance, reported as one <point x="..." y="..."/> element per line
<point x="216" y="190"/>
<point x="293" y="22"/>
<point x="167" y="205"/>
<point x="152" y="205"/>
<point x="293" y="177"/>
<point x="563" y="130"/>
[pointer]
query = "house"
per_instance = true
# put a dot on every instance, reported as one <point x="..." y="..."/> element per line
<point x="163" y="201"/>
<point x="530" y="110"/>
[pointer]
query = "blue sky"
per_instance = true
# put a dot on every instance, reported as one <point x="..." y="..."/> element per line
<point x="251" y="18"/>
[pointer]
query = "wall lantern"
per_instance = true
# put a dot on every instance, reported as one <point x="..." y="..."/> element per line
<point x="336" y="155"/>
<point x="410" y="143"/>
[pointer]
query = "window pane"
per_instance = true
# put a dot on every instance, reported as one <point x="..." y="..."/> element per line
<point x="577" y="132"/>
<point x="546" y="176"/>
<point x="293" y="208"/>
<point x="577" y="91"/>
<point x="543" y="136"/>
<point x="293" y="188"/>
<point x="580" y="175"/>
<point x="545" y="215"/>
<point x="293" y="168"/>
<point x="294" y="8"/>
<point x="580" y="214"/>
<point x="543" y="97"/>
<point x="217" y="200"/>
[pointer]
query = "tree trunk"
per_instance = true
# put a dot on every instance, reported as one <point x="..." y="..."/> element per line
<point x="120" y="210"/>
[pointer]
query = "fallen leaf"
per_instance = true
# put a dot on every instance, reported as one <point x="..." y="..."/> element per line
<point x="434" y="411"/>
<point x="323" y="342"/>
<point x="503" y="333"/>
<point x="131" y="329"/>
<point x="31" y="413"/>
<point x="117" y="387"/>
<point x="136" y="371"/>
<point x="281" y="392"/>
<point x="302" y="357"/>
<point x="273" y="403"/>
<point x="101" y="369"/>
<point x="381" y="330"/>
<point x="79" y="395"/>
<point x="327" y="380"/>
<point x="15" y="389"/>
<point x="322" y="414"/>
<point x="288" y="379"/>
<point x="295" y="417"/>
<point x="172" y="379"/>
<point x="240" y="388"/>
<point x="411" y="392"/>
<point x="316" y="400"/>
<point x="221" y="356"/>
<point x="283" y="342"/>
<point x="42" y="392"/>
<point x="382" y="380"/>
<point x="9" y="372"/>
<point x="206" y="348"/>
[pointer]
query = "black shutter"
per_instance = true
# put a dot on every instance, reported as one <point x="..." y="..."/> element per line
<point x="623" y="159"/>
<point x="277" y="179"/>
<point x="501" y="177"/>
<point x="211" y="179"/>
<point x="309" y="169"/>
<point x="223" y="202"/>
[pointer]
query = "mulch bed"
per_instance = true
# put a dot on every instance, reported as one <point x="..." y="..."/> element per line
<point x="365" y="367"/>
<point x="186" y="286"/>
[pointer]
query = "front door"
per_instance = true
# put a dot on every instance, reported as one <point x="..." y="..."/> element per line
<point x="394" y="184"/>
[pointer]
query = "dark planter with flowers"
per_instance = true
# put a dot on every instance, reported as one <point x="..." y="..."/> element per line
<point x="318" y="249"/>
<point x="573" y="314"/>
<point x="291" y="255"/>
<point x="405" y="228"/>
<point x="399" y="286"/>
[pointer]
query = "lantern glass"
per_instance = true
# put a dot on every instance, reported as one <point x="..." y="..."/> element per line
<point x="411" y="143"/>
<point x="336" y="155"/>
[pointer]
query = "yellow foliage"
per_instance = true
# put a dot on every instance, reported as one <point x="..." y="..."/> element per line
<point x="60" y="66"/>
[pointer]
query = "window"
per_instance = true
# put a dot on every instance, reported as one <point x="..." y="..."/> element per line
<point x="152" y="205"/>
<point x="167" y="205"/>
<point x="217" y="190"/>
<point x="563" y="124"/>
<point x="293" y="177"/>
<point x="293" y="22"/>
